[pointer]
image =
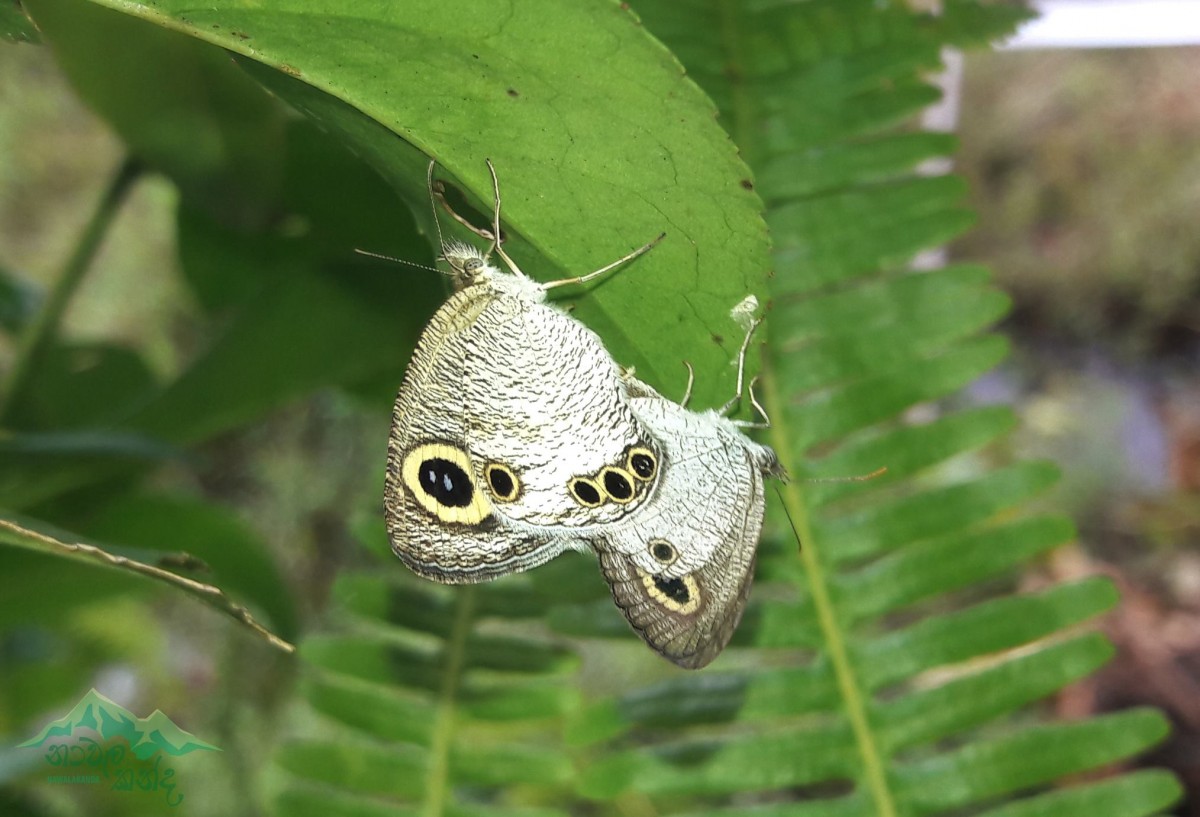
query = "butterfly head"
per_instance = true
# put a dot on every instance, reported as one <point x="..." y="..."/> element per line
<point x="468" y="265"/>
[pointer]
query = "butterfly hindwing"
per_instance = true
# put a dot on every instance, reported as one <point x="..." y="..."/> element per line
<point x="680" y="571"/>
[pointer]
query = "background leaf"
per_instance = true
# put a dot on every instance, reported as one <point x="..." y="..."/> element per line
<point x="637" y="156"/>
<point x="15" y="26"/>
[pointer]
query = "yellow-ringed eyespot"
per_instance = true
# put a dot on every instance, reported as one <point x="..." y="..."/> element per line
<point x="503" y="482"/>
<point x="680" y="595"/>
<point x="642" y="463"/>
<point x="617" y="484"/>
<point x="586" y="492"/>
<point x="441" y="480"/>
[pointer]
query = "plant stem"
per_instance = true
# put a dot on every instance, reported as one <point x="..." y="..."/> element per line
<point x="37" y="337"/>
<point x="854" y="697"/>
<point x="13" y="534"/>
<point x="438" y="781"/>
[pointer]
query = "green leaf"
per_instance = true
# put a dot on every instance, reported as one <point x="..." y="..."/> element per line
<point x="336" y="203"/>
<point x="1026" y="758"/>
<point x="15" y="26"/>
<point x="1136" y="794"/>
<point x="277" y="296"/>
<point x="82" y="385"/>
<point x="836" y="236"/>
<point x="34" y="583"/>
<point x="282" y="348"/>
<point x="592" y="162"/>
<point x="77" y="445"/>
<point x="917" y="651"/>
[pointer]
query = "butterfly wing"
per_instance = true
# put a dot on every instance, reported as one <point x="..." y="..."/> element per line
<point x="510" y="432"/>
<point x="681" y="569"/>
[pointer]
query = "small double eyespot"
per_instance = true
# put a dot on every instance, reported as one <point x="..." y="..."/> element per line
<point x="616" y="483"/>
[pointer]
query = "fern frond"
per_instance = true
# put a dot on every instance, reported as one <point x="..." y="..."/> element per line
<point x="907" y="650"/>
<point x="421" y="700"/>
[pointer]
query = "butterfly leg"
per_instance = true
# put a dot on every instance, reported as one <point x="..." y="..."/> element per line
<point x="437" y="195"/>
<point x="494" y="236"/>
<point x="743" y="313"/>
<point x="687" y="393"/>
<point x="762" y="412"/>
<point x="636" y="388"/>
<point x="741" y="375"/>
<point x="583" y="279"/>
<point x="437" y="191"/>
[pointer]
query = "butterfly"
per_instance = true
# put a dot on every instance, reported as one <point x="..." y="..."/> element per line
<point x="515" y="436"/>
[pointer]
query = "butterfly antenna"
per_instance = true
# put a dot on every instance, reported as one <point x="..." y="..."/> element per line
<point x="396" y="260"/>
<point x="878" y="472"/>
<point x="791" y="522"/>
<point x="496" y="207"/>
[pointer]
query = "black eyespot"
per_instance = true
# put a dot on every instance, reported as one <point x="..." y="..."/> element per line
<point x="502" y="480"/>
<point x="663" y="551"/>
<point x="674" y="589"/>
<point x="642" y="463"/>
<point x="586" y="492"/>
<point x="446" y="482"/>
<point x="617" y="485"/>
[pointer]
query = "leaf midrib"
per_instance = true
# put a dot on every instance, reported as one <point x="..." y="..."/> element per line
<point x="849" y="687"/>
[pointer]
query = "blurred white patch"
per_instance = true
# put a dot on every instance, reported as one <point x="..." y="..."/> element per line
<point x="1110" y="24"/>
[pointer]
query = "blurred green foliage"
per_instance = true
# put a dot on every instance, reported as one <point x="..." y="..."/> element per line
<point x="877" y="673"/>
